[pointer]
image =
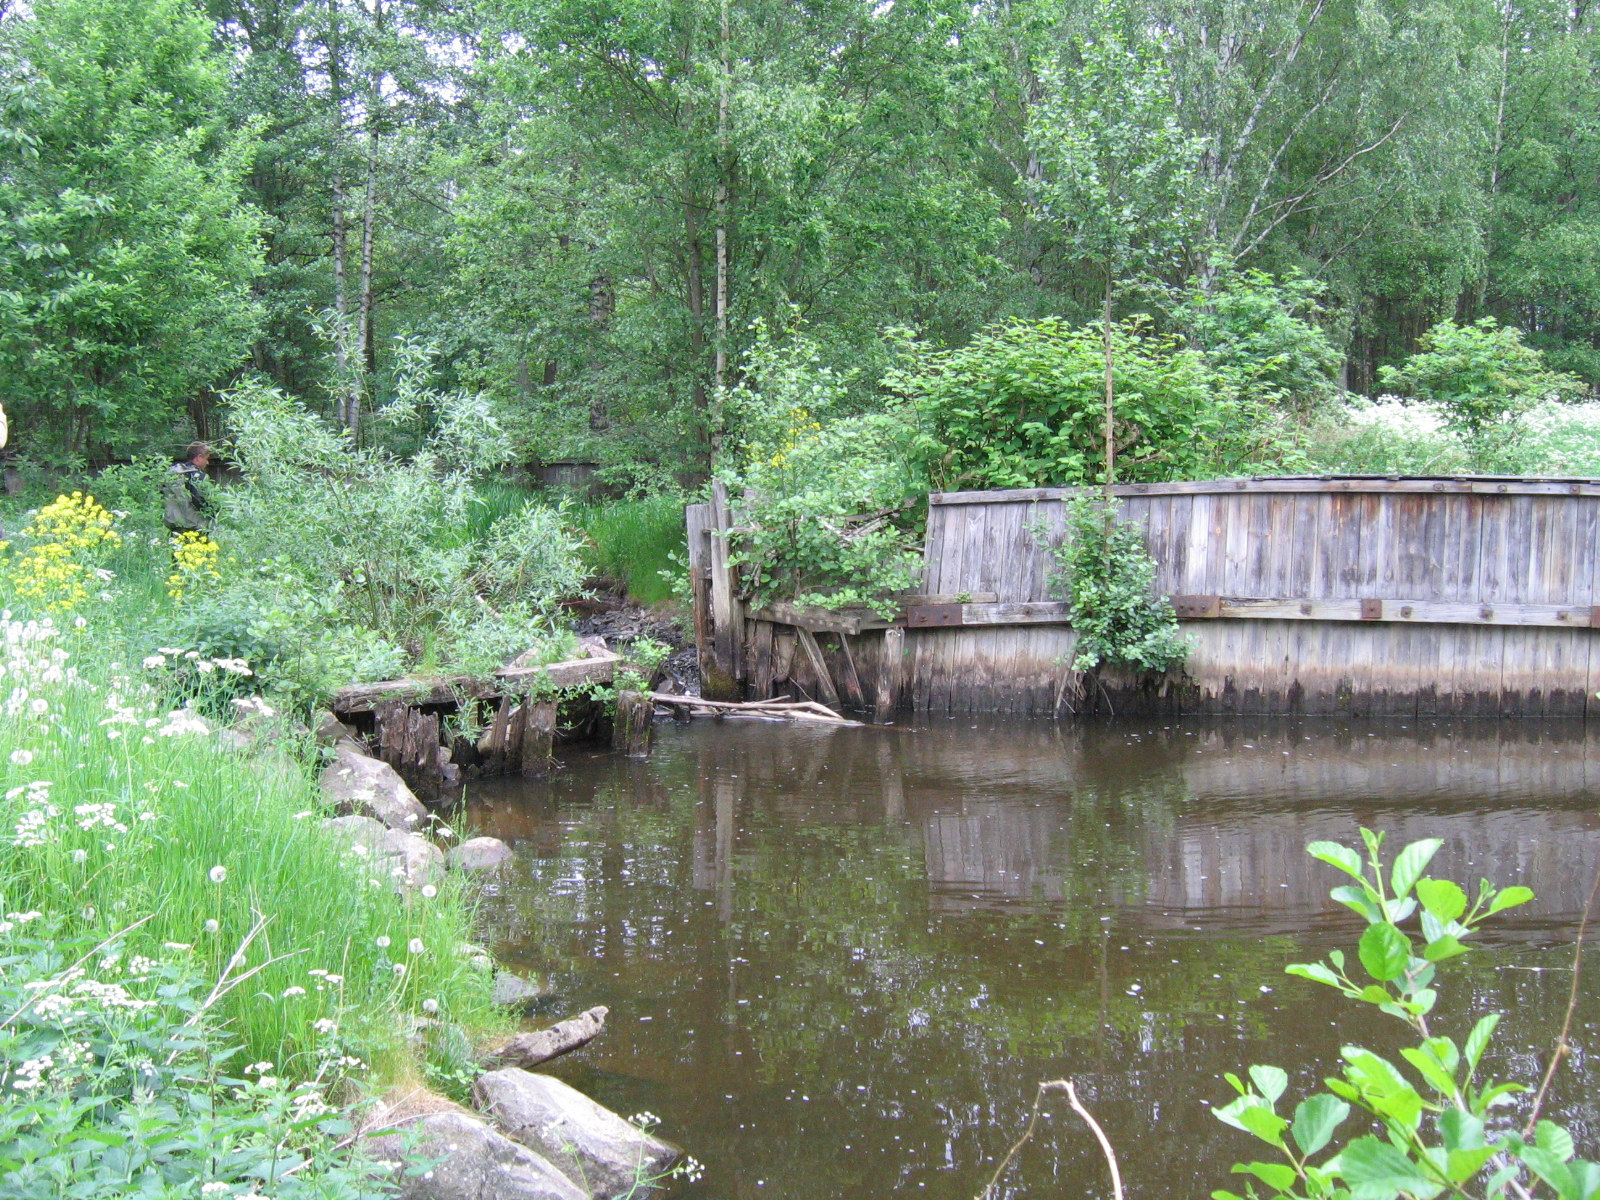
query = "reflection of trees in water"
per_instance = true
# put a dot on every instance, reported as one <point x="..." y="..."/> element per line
<point x="785" y="915"/>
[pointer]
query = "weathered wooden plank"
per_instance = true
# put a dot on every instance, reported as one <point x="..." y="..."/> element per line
<point x="891" y="674"/>
<point x="849" y="678"/>
<point x="1479" y="485"/>
<point x="448" y="689"/>
<point x="760" y="685"/>
<point x="812" y="653"/>
<point x="725" y="669"/>
<point x="538" y="736"/>
<point x="782" y="655"/>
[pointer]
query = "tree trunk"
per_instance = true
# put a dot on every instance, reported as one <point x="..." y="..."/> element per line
<point x="719" y="371"/>
<point x="364" y="337"/>
<point x="1111" y="404"/>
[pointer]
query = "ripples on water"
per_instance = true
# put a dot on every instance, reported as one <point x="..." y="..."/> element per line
<point x="839" y="961"/>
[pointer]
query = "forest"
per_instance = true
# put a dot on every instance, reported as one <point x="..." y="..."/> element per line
<point x="619" y="224"/>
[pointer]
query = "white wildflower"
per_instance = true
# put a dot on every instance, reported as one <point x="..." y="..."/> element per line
<point x="430" y="1006"/>
<point x="21" y="758"/>
<point x="429" y="891"/>
<point x="154" y="662"/>
<point x="217" y="874"/>
<point x="415" y="946"/>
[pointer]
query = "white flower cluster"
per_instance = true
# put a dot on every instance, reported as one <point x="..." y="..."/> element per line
<point x="28" y="659"/>
<point x="91" y="815"/>
<point x="183" y="721"/>
<point x="201" y="663"/>
<point x="33" y="826"/>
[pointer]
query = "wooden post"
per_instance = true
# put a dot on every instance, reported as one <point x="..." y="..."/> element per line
<point x="819" y="667"/>
<point x="630" y="732"/>
<point x="726" y="672"/>
<point x="492" y="745"/>
<point x="761" y="661"/>
<point x="697" y="518"/>
<point x="538" y="736"/>
<point x="891" y="667"/>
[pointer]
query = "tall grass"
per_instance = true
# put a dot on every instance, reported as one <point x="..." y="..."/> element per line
<point x="141" y="821"/>
<point x="632" y="541"/>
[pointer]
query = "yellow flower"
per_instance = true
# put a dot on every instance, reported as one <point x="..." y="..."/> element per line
<point x="194" y="560"/>
<point x="65" y="536"/>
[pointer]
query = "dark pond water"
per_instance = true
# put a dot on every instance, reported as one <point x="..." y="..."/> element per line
<point x="838" y="962"/>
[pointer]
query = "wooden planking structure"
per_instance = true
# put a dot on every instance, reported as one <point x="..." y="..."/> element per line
<point x="1359" y="594"/>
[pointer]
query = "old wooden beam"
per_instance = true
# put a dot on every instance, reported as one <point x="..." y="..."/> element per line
<point x="1355" y="484"/>
<point x="448" y="689"/>
<point x="849" y="678"/>
<point x="819" y="666"/>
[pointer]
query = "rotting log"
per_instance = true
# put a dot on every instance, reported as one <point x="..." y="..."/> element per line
<point x="529" y="1050"/>
<point x="630" y="730"/>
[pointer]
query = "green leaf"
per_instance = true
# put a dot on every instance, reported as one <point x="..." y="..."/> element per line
<point x="1315" y="972"/>
<point x="1410" y="863"/>
<point x="1270" y="1082"/>
<point x="1443" y="948"/>
<point x="1335" y="855"/>
<point x="1509" y="898"/>
<point x="1315" y="1119"/>
<point x="1462" y="1165"/>
<point x="1275" y="1175"/>
<point x="1358" y="900"/>
<point x="1264" y="1123"/>
<point x="1478" y="1041"/>
<point x="1375" y="1169"/>
<point x="1549" y="1167"/>
<point x="1552" y="1137"/>
<point x="1430" y="1067"/>
<point x="1444" y="899"/>
<point x="1384" y="952"/>
<point x="1459" y="1130"/>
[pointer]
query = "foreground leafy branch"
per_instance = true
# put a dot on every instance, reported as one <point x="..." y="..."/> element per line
<point x="1439" y="1133"/>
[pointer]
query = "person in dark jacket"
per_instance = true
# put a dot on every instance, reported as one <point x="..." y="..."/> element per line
<point x="188" y="507"/>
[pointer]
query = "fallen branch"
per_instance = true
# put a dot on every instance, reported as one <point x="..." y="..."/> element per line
<point x="799" y="710"/>
<point x="1058" y="1085"/>
<point x="528" y="1050"/>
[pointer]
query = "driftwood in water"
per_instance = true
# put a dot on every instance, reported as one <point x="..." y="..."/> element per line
<point x="528" y="1050"/>
<point x="630" y="731"/>
<point x="801" y="710"/>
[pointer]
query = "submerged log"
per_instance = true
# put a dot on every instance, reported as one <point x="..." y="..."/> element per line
<point x="528" y="1050"/>
<point x="630" y="731"/>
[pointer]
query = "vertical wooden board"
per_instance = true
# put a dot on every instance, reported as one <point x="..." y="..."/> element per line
<point x="1305" y="511"/>
<point x="1256" y="510"/>
<point x="1024" y="556"/>
<point x="848" y="676"/>
<point x="1224" y="516"/>
<point x="1552" y="557"/>
<point x="1415" y="545"/>
<point x="1198" y="555"/>
<point x="952" y="554"/>
<point x="1521" y="675"/>
<point x="1486" y="662"/>
<point x="1585" y="547"/>
<point x="1454" y="526"/>
<point x="1564" y="671"/>
<point x="933" y="548"/>
<point x="889" y="678"/>
<point x="1157" y="535"/>
<point x="761" y="660"/>
<point x="1279" y="546"/>
<point x="1372" y="511"/>
<point x="1430" y="685"/>
<point x="1341" y="548"/>
<point x="1494" y="550"/>
<point x="1173" y="556"/>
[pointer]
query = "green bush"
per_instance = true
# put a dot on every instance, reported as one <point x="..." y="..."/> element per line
<point x="1482" y="378"/>
<point x="1022" y="405"/>
<point x="1108" y="581"/>
<point x="632" y="541"/>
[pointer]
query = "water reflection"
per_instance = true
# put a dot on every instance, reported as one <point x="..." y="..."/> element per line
<point x="838" y="961"/>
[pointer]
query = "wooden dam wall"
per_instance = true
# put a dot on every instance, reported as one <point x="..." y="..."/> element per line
<point x="1357" y="595"/>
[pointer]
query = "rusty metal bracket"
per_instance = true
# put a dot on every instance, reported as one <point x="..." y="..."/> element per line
<point x="1196" y="608"/>
<point x="1372" y="610"/>
<point x="928" y="616"/>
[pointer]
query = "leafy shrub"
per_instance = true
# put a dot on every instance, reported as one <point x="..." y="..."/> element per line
<point x="1482" y="378"/>
<point x="1264" y="337"/>
<point x="829" y="517"/>
<point x="1108" y="581"/>
<point x="1022" y="405"/>
<point x="1384" y="437"/>
<point x="1439" y="1128"/>
<point x="633" y="541"/>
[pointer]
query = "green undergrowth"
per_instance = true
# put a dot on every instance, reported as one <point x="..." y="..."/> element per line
<point x="125" y="820"/>
<point x="633" y="541"/>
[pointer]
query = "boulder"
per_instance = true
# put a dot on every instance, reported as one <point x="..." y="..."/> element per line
<point x="369" y="786"/>
<point x="413" y="859"/>
<point x="512" y="991"/>
<point x="478" y="854"/>
<point x="476" y="1163"/>
<point x="407" y="858"/>
<point x="330" y="731"/>
<point x="593" y="1146"/>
